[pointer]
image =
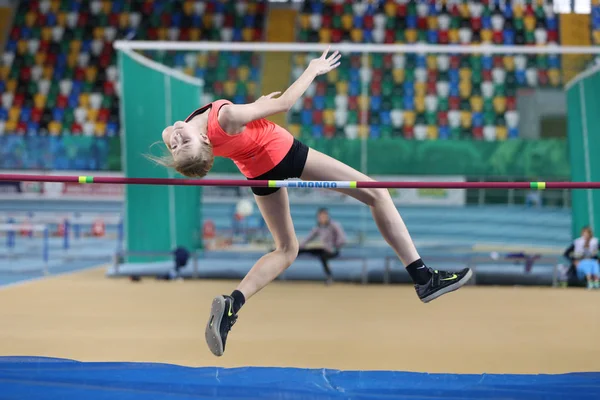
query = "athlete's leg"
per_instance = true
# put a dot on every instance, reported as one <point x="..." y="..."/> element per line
<point x="429" y="283"/>
<point x="223" y="314"/>
<point x="275" y="209"/>
<point x="324" y="168"/>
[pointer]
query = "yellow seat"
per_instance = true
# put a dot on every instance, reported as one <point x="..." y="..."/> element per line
<point x="188" y="8"/>
<point x="195" y="34"/>
<point x="596" y="37"/>
<point x="251" y="86"/>
<point x="304" y="21"/>
<point x="55" y="6"/>
<point x="409" y="118"/>
<point x="84" y="100"/>
<point x="189" y="71"/>
<point x="14" y="113"/>
<point x="10" y="126"/>
<point x="432" y="22"/>
<point x="453" y="36"/>
<point x="420" y="89"/>
<point x="61" y="19"/>
<point x="432" y="132"/>
<point x="476" y="103"/>
<point x="465" y="119"/>
<point x="464" y="10"/>
<point x="509" y="63"/>
<point x="411" y="35"/>
<point x="243" y="73"/>
<point x="91" y="73"/>
<point x="124" y="20"/>
<point x="294" y="129"/>
<point x="342" y="87"/>
<point x="419" y="104"/>
<point x="11" y="85"/>
<point x="92" y="115"/>
<point x="501" y="133"/>
<point x="48" y="72"/>
<point x="486" y="35"/>
<point x="207" y="20"/>
<point x="347" y="22"/>
<point x="162" y="33"/>
<point x="30" y="18"/>
<point x="398" y="75"/>
<point x="499" y="104"/>
<point x="465" y="88"/>
<point x="299" y="60"/>
<point x="54" y="127"/>
<point x="364" y="102"/>
<point x="465" y="74"/>
<point x="332" y="76"/>
<point x="329" y="117"/>
<point x="363" y="131"/>
<point x="4" y="71"/>
<point x="229" y="88"/>
<point x="40" y="58"/>
<point x="431" y="62"/>
<point x="202" y="59"/>
<point x="72" y="59"/>
<point x="324" y="35"/>
<point x="39" y="100"/>
<point x="106" y="7"/>
<point x="356" y="35"/>
<point x="22" y="46"/>
<point x="98" y="33"/>
<point x="517" y="10"/>
<point x="100" y="129"/>
<point x="247" y="34"/>
<point x="529" y="23"/>
<point x="251" y="10"/>
<point x="390" y="9"/>
<point x="554" y="76"/>
<point x="46" y="34"/>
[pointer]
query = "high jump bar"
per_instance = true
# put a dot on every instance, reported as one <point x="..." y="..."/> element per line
<point x="296" y="184"/>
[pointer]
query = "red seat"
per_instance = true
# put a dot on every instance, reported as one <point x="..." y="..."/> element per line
<point x="21" y="127"/>
<point x="329" y="131"/>
<point x="421" y="23"/>
<point x="336" y="36"/>
<point x="390" y="36"/>
<point x="401" y="10"/>
<point x="318" y="117"/>
<point x="109" y="88"/>
<point x="103" y="115"/>
<point x="477" y="132"/>
<point x="79" y="74"/>
<point x="442" y="118"/>
<point x="326" y="21"/>
<point x="431" y="88"/>
<point x="476" y="23"/>
<point x="113" y="19"/>
<point x="377" y="75"/>
<point x="368" y="22"/>
<point x="307" y="103"/>
<point x="165" y="19"/>
<point x="83" y="20"/>
<point x="19" y="99"/>
<point x="44" y="46"/>
<point x="36" y="114"/>
<point x="486" y="74"/>
<point x="511" y="103"/>
<point x="352" y="103"/>
<point x="321" y="88"/>
<point x="147" y="7"/>
<point x="454" y="103"/>
<point x="409" y="132"/>
<point x="455" y="62"/>
<point x="497" y="37"/>
<point x="388" y="61"/>
<point x="76" y="128"/>
<point x="15" y="33"/>
<point x="498" y="62"/>
<point x="62" y="101"/>
<point x="542" y="77"/>
<point x="443" y="37"/>
<point x="25" y="73"/>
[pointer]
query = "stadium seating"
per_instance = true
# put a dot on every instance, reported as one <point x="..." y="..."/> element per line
<point x="595" y="22"/>
<point x="425" y="96"/>
<point x="58" y="73"/>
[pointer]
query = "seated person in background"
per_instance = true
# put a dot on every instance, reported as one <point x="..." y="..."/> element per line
<point x="583" y="254"/>
<point x="331" y="238"/>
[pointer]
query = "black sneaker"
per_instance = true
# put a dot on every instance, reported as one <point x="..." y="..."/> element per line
<point x="442" y="282"/>
<point x="219" y="324"/>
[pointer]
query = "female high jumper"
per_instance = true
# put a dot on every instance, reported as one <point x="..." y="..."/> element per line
<point x="263" y="150"/>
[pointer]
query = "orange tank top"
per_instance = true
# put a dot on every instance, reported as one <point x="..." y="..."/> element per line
<point x="260" y="146"/>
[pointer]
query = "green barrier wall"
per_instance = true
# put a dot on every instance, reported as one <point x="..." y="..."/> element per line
<point x="158" y="218"/>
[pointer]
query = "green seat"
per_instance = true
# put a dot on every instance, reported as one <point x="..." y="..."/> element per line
<point x="454" y="22"/>
<point x="107" y="102"/>
<point x="420" y="120"/>
<point x="390" y="23"/>
<point x="348" y="9"/>
<point x="238" y="21"/>
<point x="32" y="88"/>
<point x="65" y="5"/>
<point x="431" y="118"/>
<point x="422" y="36"/>
<point x="28" y="60"/>
<point x="102" y="20"/>
<point x="294" y="118"/>
<point x="499" y="89"/>
<point x="443" y="76"/>
<point x="465" y="105"/>
<point x="539" y="13"/>
<point x="221" y="74"/>
<point x="488" y="105"/>
<point x="386" y="105"/>
<point x="20" y="19"/>
<point x="518" y="24"/>
<point x="500" y="120"/>
<point x="409" y="75"/>
<point x="329" y="102"/>
<point x="466" y="133"/>
<point x="542" y="61"/>
<point x="476" y="78"/>
<point x="88" y="86"/>
<point x="336" y="23"/>
<point x="377" y="60"/>
<point x="529" y="37"/>
<point x="387" y="131"/>
<point x="511" y="91"/>
<point x="400" y="36"/>
<point x="241" y="89"/>
<point x="154" y="20"/>
<point x="305" y="131"/>
<point x="331" y="90"/>
<point x="397" y="103"/>
<point x="68" y="118"/>
<point x="412" y="8"/>
<point x="339" y="132"/>
<point x="476" y="91"/>
<point x="475" y="63"/>
<point x="78" y="34"/>
<point x="489" y="117"/>
<point x="352" y="117"/>
<point x="465" y="62"/>
<point x="510" y="80"/>
<point x="455" y="133"/>
<point x="374" y="118"/>
<point x="443" y="104"/>
<point x="344" y="72"/>
<point x="51" y="102"/>
<point x="36" y="32"/>
<point x="411" y="62"/>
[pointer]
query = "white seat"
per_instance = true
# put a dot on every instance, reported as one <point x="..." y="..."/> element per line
<point x="444" y="22"/>
<point x="33" y="46"/>
<point x="80" y="115"/>
<point x="226" y="34"/>
<point x="520" y="62"/>
<point x="199" y="7"/>
<point x="442" y="88"/>
<point x="341" y="102"/>
<point x="420" y="74"/>
<point x="44" y="86"/>
<point x="443" y="62"/>
<point x="207" y="98"/>
<point x="7" y="100"/>
<point x="2" y="127"/>
<point x="96" y="100"/>
<point x="399" y="60"/>
<point x="72" y="18"/>
<point x="475" y="9"/>
<point x="135" y="18"/>
<point x="422" y="9"/>
<point x="95" y="7"/>
<point x="351" y="131"/>
<point x="110" y="33"/>
<point x="315" y="21"/>
<point x="532" y="76"/>
<point x="341" y="117"/>
<point x="83" y="59"/>
<point x="112" y="73"/>
<point x="498" y="75"/>
<point x="359" y="8"/>
<point x="487" y="89"/>
<point x="378" y="35"/>
<point x="489" y="133"/>
<point x="497" y="22"/>
<point x="88" y="129"/>
<point x="512" y="119"/>
<point x="173" y="33"/>
<point x="541" y="36"/>
<point x="241" y="7"/>
<point x="36" y="72"/>
<point x="465" y="35"/>
<point x="8" y="58"/>
<point x="379" y="21"/>
<point x="44" y="6"/>
<point x="65" y="86"/>
<point x="190" y="59"/>
<point x="57" y="33"/>
<point x="397" y="117"/>
<point x="97" y="46"/>
<point x="431" y="103"/>
<point x="311" y="91"/>
<point x="420" y="132"/>
<point x="454" y="118"/>
<point x="366" y="73"/>
<point x="297" y="71"/>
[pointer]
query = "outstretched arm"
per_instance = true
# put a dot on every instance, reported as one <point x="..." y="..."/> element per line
<point x="235" y="116"/>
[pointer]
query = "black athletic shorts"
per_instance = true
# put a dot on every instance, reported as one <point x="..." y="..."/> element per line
<point x="291" y="166"/>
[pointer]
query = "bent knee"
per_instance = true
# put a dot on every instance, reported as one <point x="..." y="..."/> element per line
<point x="378" y="196"/>
<point x="289" y="251"/>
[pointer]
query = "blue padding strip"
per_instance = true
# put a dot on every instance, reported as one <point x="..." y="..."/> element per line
<point x="46" y="378"/>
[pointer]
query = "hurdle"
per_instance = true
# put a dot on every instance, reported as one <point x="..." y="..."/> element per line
<point x="11" y="230"/>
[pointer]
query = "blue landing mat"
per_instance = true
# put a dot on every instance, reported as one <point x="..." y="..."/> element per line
<point x="49" y="378"/>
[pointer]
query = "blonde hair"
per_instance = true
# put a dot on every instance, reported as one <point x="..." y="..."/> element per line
<point x="187" y="163"/>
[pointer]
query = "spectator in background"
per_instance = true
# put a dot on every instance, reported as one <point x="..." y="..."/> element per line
<point x="331" y="238"/>
<point x="583" y="254"/>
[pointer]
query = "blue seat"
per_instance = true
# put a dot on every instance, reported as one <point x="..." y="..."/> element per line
<point x="453" y="76"/>
<point x="239" y="99"/>
<point x="179" y="60"/>
<point x="51" y="19"/>
<point x="354" y="75"/>
<point x="237" y="35"/>
<point x="11" y="46"/>
<point x="2" y="86"/>
<point x="306" y="117"/>
<point x="411" y="21"/>
<point x="477" y="119"/>
<point x="254" y="74"/>
<point x="58" y="114"/>
<point x="357" y="22"/>
<point x="486" y="22"/>
<point x="32" y="128"/>
<point x="409" y="102"/>
<point x="219" y="7"/>
<point x="86" y="45"/>
<point x="354" y="88"/>
<point x="513" y="133"/>
<point x="375" y="131"/>
<point x="319" y="102"/>
<point x="25" y="33"/>
<point x="487" y="62"/>
<point x="249" y="21"/>
<point x="61" y="61"/>
<point x="199" y="72"/>
<point x="433" y="9"/>
<point x="509" y="36"/>
<point x="376" y="103"/>
<point x="25" y="114"/>
<point x="508" y="11"/>
<point x="444" y="132"/>
<point x="75" y="5"/>
<point x="409" y="88"/>
<point x="454" y="90"/>
<point x="385" y="118"/>
<point x="367" y="36"/>
<point x="317" y="131"/>
<point x="234" y="60"/>
<point x="112" y="129"/>
<point x="421" y="61"/>
<point x="553" y="61"/>
<point x="316" y="7"/>
<point x="117" y="6"/>
<point x="521" y="77"/>
<point x="432" y="36"/>
<point x="552" y="23"/>
<point x="3" y="114"/>
<point x="176" y="19"/>
<point x="197" y="22"/>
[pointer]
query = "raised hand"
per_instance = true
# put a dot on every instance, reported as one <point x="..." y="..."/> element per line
<point x="324" y="64"/>
<point x="268" y="96"/>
